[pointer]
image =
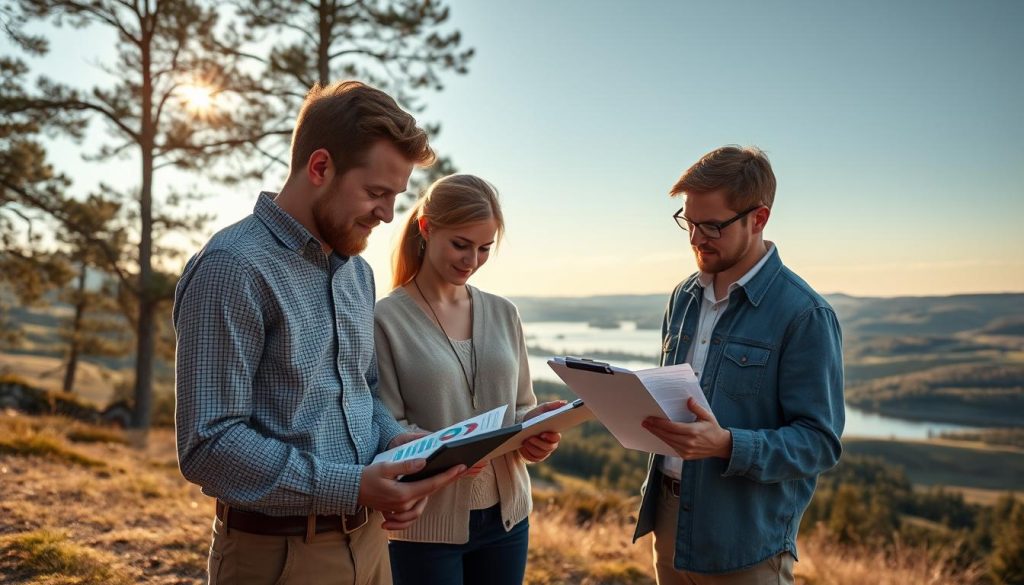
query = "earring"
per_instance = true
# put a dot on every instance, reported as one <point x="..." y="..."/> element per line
<point x="423" y="246"/>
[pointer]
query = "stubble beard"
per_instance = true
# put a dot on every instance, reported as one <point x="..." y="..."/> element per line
<point x="721" y="261"/>
<point x="345" y="241"/>
<point x="714" y="266"/>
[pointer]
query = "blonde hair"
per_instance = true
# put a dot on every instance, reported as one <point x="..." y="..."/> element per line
<point x="451" y="201"/>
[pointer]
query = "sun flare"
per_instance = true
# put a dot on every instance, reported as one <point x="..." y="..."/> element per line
<point x="198" y="99"/>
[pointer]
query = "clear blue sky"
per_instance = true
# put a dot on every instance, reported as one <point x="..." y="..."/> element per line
<point x="895" y="130"/>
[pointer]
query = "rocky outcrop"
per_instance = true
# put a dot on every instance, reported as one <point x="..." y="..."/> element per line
<point x="29" y="400"/>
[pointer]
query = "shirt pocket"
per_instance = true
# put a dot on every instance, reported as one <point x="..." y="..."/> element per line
<point x="743" y="369"/>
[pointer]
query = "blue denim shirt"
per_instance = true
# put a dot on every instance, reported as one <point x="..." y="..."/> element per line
<point x="774" y="378"/>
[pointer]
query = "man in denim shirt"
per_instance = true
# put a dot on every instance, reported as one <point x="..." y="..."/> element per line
<point x="276" y="377"/>
<point x="767" y="350"/>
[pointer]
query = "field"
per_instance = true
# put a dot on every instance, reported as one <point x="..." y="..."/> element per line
<point x="82" y="507"/>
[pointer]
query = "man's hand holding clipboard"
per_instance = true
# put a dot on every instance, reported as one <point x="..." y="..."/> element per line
<point x="699" y="439"/>
<point x="623" y="399"/>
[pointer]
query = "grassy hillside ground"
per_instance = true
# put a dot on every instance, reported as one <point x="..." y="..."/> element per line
<point x="79" y="503"/>
<point x="82" y="507"/>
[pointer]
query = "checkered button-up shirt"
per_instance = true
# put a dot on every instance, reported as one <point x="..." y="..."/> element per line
<point x="276" y="375"/>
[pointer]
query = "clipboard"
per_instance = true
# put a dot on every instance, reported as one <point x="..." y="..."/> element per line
<point x="468" y="452"/>
<point x="621" y="399"/>
<point x="487" y="446"/>
<point x="555" y="421"/>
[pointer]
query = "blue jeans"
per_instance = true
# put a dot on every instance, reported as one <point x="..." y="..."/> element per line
<point x="491" y="556"/>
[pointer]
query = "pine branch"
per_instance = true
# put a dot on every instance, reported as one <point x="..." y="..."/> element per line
<point x="68" y="222"/>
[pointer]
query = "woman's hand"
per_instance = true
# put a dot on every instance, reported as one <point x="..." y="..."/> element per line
<point x="539" y="447"/>
<point x="475" y="470"/>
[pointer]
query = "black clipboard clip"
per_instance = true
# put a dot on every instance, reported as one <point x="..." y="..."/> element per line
<point x="588" y="365"/>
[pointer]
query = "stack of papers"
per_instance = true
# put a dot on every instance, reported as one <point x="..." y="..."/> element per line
<point x="621" y="399"/>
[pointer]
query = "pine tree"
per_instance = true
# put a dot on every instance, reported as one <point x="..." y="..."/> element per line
<point x="1007" y="560"/>
<point x="166" y="53"/>
<point x="30" y="193"/>
<point x="95" y="328"/>
<point x="400" y="46"/>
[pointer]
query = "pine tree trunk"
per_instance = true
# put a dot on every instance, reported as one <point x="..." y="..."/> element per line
<point x="145" y="331"/>
<point x="76" y="329"/>
<point x="323" y="60"/>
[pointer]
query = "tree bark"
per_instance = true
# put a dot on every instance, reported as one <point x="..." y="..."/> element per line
<point x="145" y="331"/>
<point x="76" y="328"/>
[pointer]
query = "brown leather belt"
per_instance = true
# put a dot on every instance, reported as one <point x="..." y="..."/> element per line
<point x="670" y="485"/>
<point x="308" y="526"/>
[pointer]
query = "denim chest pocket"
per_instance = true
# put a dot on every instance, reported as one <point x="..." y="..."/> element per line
<point x="742" y="369"/>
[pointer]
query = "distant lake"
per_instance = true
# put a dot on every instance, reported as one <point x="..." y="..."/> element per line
<point x="576" y="338"/>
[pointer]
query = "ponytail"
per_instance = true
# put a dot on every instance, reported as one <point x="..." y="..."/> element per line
<point x="407" y="258"/>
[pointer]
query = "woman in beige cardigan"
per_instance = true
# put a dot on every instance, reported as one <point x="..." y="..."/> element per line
<point x="447" y="351"/>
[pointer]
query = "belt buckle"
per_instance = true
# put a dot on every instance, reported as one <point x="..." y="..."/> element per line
<point x="359" y="519"/>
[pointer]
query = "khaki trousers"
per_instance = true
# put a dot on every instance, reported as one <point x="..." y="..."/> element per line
<point x="777" y="570"/>
<point x="332" y="558"/>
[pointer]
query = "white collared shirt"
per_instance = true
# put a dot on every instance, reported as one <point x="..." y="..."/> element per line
<point x="710" y="312"/>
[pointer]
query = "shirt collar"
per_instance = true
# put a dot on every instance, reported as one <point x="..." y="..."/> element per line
<point x="284" y="227"/>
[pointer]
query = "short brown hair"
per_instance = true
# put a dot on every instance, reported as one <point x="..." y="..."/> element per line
<point x="347" y="118"/>
<point x="744" y="173"/>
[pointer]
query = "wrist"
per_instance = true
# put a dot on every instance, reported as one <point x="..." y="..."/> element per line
<point x="725" y="451"/>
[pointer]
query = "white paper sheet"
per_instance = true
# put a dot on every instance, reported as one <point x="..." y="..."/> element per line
<point x="623" y="399"/>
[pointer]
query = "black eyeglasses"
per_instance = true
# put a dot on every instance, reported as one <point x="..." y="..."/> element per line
<point x="711" y="231"/>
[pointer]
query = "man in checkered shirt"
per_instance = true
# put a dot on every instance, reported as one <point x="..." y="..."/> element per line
<point x="277" y="413"/>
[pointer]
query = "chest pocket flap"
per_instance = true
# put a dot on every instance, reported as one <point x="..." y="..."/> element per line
<point x="742" y="369"/>
<point x="744" y="355"/>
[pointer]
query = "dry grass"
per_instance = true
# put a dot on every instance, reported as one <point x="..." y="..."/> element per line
<point x="134" y="519"/>
<point x="40" y="441"/>
<point x="826" y="563"/>
<point x="565" y="550"/>
<point x="84" y="433"/>
<point x="49" y="557"/>
<point x="135" y="512"/>
<point x="585" y="538"/>
<point x="981" y="497"/>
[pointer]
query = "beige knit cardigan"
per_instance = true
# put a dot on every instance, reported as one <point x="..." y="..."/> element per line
<point x="422" y="383"/>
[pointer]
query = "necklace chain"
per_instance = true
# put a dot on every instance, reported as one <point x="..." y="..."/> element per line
<point x="472" y="341"/>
